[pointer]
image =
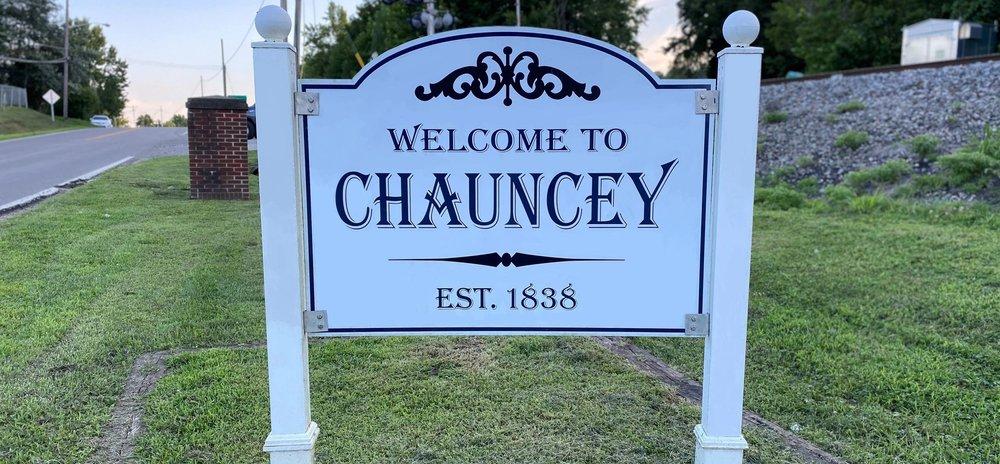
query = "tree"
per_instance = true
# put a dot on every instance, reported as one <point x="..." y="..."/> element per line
<point x="337" y="48"/>
<point x="31" y="29"/>
<point x="701" y="38"/>
<point x="177" y="120"/>
<point x="144" y="120"/>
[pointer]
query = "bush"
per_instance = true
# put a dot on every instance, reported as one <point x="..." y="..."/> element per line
<point x="926" y="147"/>
<point x="838" y="195"/>
<point x="887" y="174"/>
<point x="975" y="166"/>
<point x="779" y="197"/>
<point x="851" y="139"/>
<point x="808" y="186"/>
<point x="870" y="203"/>
<point x="805" y="162"/>
<point x="778" y="176"/>
<point x="775" y="117"/>
<point x="850" y="106"/>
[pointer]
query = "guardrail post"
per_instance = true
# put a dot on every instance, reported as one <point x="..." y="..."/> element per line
<point x="293" y="434"/>
<point x="719" y="436"/>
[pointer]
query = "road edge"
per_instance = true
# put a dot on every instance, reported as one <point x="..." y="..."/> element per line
<point x="24" y="202"/>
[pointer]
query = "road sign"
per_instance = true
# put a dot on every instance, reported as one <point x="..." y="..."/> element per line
<point x="51" y="97"/>
<point x="506" y="181"/>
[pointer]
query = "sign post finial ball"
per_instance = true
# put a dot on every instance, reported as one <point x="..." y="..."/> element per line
<point x="273" y="23"/>
<point x="741" y="28"/>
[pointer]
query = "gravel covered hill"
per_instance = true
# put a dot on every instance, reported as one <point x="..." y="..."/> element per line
<point x="953" y="103"/>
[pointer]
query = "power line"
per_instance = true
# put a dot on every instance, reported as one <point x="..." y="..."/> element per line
<point x="26" y="60"/>
<point x="167" y="64"/>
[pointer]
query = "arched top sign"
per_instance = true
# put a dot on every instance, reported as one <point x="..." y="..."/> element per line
<point x="535" y="160"/>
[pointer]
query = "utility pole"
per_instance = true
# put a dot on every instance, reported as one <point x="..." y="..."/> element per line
<point x="517" y="8"/>
<point x="222" y="49"/>
<point x="284" y="5"/>
<point x="298" y="34"/>
<point x="161" y="115"/>
<point x="202" y="80"/>
<point x="65" y="95"/>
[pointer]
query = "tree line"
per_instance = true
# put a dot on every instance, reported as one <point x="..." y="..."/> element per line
<point x="340" y="47"/>
<point x="33" y="30"/>
<point x="798" y="35"/>
<point x="813" y="35"/>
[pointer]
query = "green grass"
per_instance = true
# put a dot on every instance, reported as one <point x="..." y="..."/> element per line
<point x="851" y="106"/>
<point x="851" y="140"/>
<point x="883" y="176"/>
<point x="23" y="122"/>
<point x="877" y="333"/>
<point x="126" y="265"/>
<point x="455" y="400"/>
<point x="873" y="334"/>
<point x="775" y="117"/>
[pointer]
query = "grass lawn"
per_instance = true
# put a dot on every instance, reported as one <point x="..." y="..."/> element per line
<point x="125" y="265"/>
<point x="23" y="122"/>
<point x="876" y="336"/>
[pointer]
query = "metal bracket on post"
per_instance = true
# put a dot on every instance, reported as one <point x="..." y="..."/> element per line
<point x="306" y="103"/>
<point x="696" y="325"/>
<point x="706" y="102"/>
<point x="315" y="321"/>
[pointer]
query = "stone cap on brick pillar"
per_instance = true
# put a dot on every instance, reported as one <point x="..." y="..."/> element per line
<point x="216" y="103"/>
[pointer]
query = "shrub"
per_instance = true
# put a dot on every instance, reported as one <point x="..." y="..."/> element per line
<point x="808" y="186"/>
<point x="870" y="203"/>
<point x="780" y="197"/>
<point x="831" y="118"/>
<point x="851" y="139"/>
<point x="839" y="195"/>
<point x="926" y="147"/>
<point x="975" y="166"/>
<point x="850" y="106"/>
<point x="887" y="174"/>
<point x="805" y="162"/>
<point x="778" y="176"/>
<point x="775" y="117"/>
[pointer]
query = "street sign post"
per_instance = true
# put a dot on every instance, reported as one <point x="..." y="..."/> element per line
<point x="506" y="181"/>
<point x="51" y="97"/>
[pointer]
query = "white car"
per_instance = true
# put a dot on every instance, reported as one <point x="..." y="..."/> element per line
<point x="101" y="120"/>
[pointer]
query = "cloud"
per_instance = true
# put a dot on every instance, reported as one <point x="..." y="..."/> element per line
<point x="661" y="26"/>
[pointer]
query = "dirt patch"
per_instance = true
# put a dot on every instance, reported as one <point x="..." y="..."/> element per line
<point x="469" y="353"/>
<point x="690" y="390"/>
<point x="117" y="441"/>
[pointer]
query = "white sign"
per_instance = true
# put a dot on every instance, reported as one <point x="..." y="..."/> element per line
<point x="51" y="97"/>
<point x="507" y="181"/>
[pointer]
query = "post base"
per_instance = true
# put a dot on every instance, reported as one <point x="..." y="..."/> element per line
<point x="293" y="448"/>
<point x="718" y="449"/>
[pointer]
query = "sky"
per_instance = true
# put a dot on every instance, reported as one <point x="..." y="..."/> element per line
<point x="171" y="45"/>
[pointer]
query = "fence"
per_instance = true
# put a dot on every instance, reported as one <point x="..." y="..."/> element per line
<point x="13" y="96"/>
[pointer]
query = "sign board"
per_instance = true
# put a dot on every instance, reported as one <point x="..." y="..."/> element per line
<point x="498" y="181"/>
<point x="51" y="97"/>
<point x="506" y="181"/>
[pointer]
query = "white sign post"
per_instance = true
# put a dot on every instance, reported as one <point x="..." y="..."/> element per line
<point x="506" y="181"/>
<point x="51" y="97"/>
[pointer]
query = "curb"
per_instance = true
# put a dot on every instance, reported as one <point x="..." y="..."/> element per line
<point x="29" y="200"/>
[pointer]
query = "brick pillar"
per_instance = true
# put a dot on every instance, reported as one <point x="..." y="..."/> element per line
<point x="217" y="147"/>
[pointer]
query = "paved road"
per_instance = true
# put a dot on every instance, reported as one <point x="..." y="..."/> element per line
<point x="30" y="165"/>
